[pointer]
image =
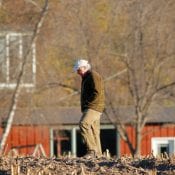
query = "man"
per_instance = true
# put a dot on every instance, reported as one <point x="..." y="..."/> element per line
<point x="92" y="106"/>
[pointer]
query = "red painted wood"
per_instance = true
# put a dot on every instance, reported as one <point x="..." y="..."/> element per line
<point x="14" y="136"/>
<point x="171" y="131"/>
<point x="149" y="131"/>
<point x="27" y="136"/>
<point x="30" y="140"/>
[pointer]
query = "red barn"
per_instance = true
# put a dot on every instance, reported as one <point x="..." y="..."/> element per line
<point x="57" y="132"/>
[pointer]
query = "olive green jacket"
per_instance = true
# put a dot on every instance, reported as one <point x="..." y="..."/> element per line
<point x="92" y="92"/>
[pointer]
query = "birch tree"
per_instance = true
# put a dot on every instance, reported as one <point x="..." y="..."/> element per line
<point x="17" y="90"/>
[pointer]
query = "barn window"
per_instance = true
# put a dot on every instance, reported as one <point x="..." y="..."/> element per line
<point x="162" y="145"/>
<point x="14" y="47"/>
<point x="62" y="142"/>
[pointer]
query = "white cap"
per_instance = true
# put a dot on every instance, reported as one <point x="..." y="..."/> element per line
<point x="81" y="63"/>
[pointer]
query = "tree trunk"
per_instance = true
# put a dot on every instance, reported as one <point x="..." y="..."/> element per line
<point x="138" y="142"/>
<point x="15" y="96"/>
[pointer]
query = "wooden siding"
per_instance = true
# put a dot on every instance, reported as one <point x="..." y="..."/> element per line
<point x="25" y="138"/>
<point x="149" y="131"/>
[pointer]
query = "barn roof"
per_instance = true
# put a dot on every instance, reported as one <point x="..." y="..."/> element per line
<point x="71" y="115"/>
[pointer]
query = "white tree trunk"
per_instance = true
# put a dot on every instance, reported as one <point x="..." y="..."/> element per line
<point x="15" y="96"/>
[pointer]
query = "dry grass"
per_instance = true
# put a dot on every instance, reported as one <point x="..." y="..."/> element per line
<point x="19" y="165"/>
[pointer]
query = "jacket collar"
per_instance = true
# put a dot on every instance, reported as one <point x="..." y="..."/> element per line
<point x="86" y="74"/>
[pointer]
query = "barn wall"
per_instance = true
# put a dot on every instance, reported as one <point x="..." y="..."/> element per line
<point x="25" y="138"/>
<point x="149" y="131"/>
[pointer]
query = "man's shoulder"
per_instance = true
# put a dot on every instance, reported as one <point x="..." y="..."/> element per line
<point x="95" y="73"/>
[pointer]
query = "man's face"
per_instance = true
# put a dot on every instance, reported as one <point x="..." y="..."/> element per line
<point x="81" y="71"/>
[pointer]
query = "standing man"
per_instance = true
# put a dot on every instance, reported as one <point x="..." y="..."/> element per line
<point x="92" y="106"/>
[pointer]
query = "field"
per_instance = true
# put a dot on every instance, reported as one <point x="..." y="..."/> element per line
<point x="30" y="165"/>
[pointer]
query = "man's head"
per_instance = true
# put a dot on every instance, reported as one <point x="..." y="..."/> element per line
<point x="82" y="66"/>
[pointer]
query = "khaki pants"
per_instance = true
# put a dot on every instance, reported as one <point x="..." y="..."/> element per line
<point x="90" y="130"/>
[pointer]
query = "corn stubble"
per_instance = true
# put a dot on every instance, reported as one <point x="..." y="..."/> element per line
<point x="67" y="165"/>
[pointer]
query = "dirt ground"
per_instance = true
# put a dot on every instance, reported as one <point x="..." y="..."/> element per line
<point x="81" y="166"/>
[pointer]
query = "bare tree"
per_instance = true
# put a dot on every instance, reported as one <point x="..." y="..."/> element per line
<point x="147" y="61"/>
<point x="17" y="90"/>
